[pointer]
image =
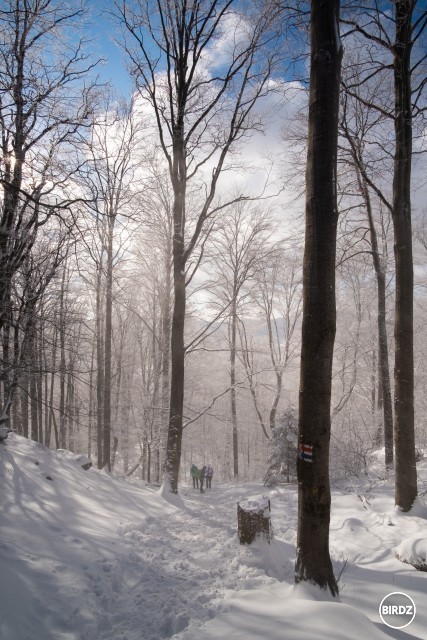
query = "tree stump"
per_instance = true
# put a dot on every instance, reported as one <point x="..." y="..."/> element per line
<point x="254" y="519"/>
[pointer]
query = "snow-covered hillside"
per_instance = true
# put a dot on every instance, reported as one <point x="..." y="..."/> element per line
<point x="86" y="556"/>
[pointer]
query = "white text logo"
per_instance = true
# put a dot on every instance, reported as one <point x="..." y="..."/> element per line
<point x="397" y="610"/>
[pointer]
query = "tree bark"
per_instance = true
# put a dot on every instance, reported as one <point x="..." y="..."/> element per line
<point x="70" y="408"/>
<point x="173" y="451"/>
<point x="100" y="368"/>
<point x="313" y="563"/>
<point x="384" y="368"/>
<point x="165" y="351"/>
<point x="52" y="386"/>
<point x="39" y="345"/>
<point x="124" y="412"/>
<point x="18" y="415"/>
<point x="179" y="184"/>
<point x="233" y="335"/>
<point x="108" y="336"/>
<point x="91" y="403"/>
<point x="165" y="383"/>
<point x="33" y="387"/>
<point x="62" y="368"/>
<point x="404" y="434"/>
<point x="24" y="405"/>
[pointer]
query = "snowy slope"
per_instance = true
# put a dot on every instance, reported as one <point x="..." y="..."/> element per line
<point x="86" y="556"/>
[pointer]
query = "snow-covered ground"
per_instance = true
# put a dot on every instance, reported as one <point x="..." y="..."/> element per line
<point x="87" y="556"/>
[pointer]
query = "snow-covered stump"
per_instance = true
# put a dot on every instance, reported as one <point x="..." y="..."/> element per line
<point x="254" y="519"/>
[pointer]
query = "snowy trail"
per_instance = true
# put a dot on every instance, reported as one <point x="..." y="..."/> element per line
<point x="89" y="556"/>
<point x="163" y="587"/>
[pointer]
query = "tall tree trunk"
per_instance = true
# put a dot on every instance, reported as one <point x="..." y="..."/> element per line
<point x="404" y="434"/>
<point x="91" y="403"/>
<point x="108" y="337"/>
<point x="39" y="340"/>
<point x="52" y="386"/>
<point x="313" y="563"/>
<point x="47" y="423"/>
<point x="384" y="368"/>
<point x="156" y="357"/>
<point x="18" y="401"/>
<point x="144" y="459"/>
<point x="165" y="352"/>
<point x="100" y="368"/>
<point x="62" y="368"/>
<point x="165" y="396"/>
<point x="278" y="369"/>
<point x="70" y="408"/>
<point x="276" y="398"/>
<point x="118" y="393"/>
<point x="233" y="336"/>
<point x="174" y="443"/>
<point x="78" y="447"/>
<point x="33" y="386"/>
<point x="9" y="263"/>
<point x="124" y="413"/>
<point x="376" y="399"/>
<point x="24" y="405"/>
<point x="6" y="355"/>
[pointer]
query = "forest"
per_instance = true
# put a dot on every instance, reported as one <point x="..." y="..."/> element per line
<point x="222" y="258"/>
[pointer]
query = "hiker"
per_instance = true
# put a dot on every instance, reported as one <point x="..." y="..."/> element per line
<point x="193" y="472"/>
<point x="209" y="474"/>
<point x="200" y="478"/>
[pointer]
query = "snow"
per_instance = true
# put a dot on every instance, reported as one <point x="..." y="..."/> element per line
<point x="89" y="556"/>
<point x="413" y="550"/>
<point x="256" y="504"/>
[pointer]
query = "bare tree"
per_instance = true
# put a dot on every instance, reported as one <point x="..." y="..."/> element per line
<point x="404" y="432"/>
<point x="356" y="124"/>
<point x="38" y="122"/>
<point x="277" y="297"/>
<point x="29" y="317"/>
<point x="112" y="183"/>
<point x="395" y="36"/>
<point x="153" y="251"/>
<point x="313" y="563"/>
<point x="241" y="243"/>
<point x="202" y="107"/>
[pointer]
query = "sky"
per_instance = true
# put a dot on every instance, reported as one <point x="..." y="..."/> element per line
<point x="89" y="556"/>
<point x="104" y="32"/>
<point x="260" y="148"/>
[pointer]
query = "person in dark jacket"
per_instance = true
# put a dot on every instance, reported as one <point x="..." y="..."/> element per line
<point x="209" y="474"/>
<point x="194" y="474"/>
<point x="203" y="477"/>
<point x="200" y="477"/>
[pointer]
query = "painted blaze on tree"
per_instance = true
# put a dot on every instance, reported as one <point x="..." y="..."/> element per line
<point x="313" y="563"/>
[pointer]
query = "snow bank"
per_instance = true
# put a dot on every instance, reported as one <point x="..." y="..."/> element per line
<point x="413" y="551"/>
<point x="274" y="614"/>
